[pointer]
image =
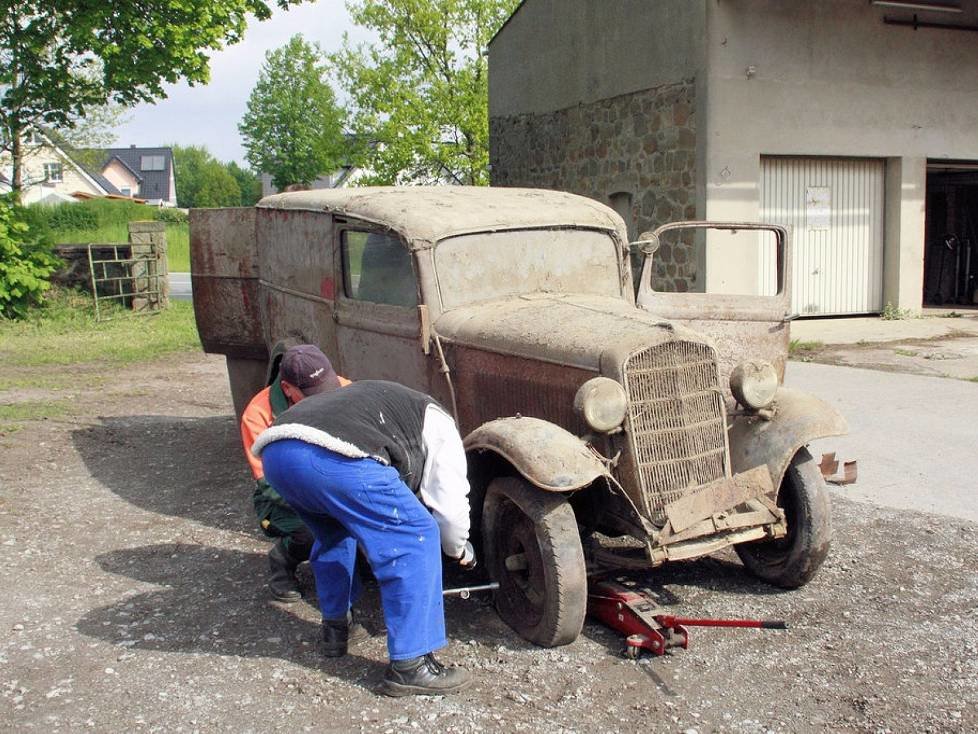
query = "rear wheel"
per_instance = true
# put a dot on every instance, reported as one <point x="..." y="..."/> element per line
<point x="533" y="549"/>
<point x="792" y="561"/>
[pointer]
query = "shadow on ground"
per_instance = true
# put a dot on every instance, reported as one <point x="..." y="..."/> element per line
<point x="210" y="604"/>
<point x="184" y="467"/>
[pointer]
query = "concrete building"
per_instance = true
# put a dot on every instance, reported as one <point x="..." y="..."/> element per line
<point x="853" y="121"/>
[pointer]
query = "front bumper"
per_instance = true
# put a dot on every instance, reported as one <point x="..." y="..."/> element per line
<point x="727" y="511"/>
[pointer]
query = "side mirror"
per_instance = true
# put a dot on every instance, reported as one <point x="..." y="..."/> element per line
<point x="647" y="243"/>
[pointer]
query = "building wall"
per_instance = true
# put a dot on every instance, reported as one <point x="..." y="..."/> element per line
<point x="831" y="79"/>
<point x="35" y="188"/>
<point x="554" y="54"/>
<point x="635" y="152"/>
<point x="611" y="115"/>
<point x="120" y="177"/>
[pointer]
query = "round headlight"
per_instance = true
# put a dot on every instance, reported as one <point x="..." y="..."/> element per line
<point x="754" y="384"/>
<point x="602" y="403"/>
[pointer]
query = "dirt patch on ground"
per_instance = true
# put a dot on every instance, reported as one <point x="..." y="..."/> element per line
<point x="132" y="577"/>
<point x="954" y="355"/>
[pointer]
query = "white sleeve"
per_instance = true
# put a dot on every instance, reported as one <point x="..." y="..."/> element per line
<point x="444" y="483"/>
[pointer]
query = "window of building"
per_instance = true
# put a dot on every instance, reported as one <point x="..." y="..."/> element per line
<point x="377" y="268"/>
<point x="152" y="163"/>
<point x="53" y="172"/>
<point x="33" y="138"/>
<point x="125" y="191"/>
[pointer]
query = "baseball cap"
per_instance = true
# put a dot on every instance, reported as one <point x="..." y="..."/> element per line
<point x="306" y="367"/>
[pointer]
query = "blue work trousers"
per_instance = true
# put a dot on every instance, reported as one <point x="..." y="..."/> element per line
<point x="347" y="501"/>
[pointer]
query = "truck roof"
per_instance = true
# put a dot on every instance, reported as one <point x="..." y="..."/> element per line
<point x="430" y="213"/>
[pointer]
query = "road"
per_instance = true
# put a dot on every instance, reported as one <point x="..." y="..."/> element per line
<point x="180" y="287"/>
<point x="914" y="437"/>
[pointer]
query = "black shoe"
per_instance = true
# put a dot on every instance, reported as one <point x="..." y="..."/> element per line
<point x="339" y="635"/>
<point x="423" y="676"/>
<point x="281" y="576"/>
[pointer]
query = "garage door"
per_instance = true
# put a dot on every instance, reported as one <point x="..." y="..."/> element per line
<point x="835" y="209"/>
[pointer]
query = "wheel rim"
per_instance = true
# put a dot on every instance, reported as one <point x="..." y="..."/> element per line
<point x="787" y="501"/>
<point x="522" y="591"/>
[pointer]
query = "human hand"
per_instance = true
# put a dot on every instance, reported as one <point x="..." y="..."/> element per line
<point x="467" y="559"/>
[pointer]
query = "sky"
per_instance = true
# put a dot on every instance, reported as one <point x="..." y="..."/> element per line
<point x="209" y="115"/>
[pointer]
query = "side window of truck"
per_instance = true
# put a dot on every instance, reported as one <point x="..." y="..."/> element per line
<point x="377" y="268"/>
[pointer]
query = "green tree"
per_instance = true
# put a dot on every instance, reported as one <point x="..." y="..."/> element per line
<point x="292" y="128"/>
<point x="202" y="180"/>
<point x="217" y="187"/>
<point x="420" y="94"/>
<point x="248" y="182"/>
<point x="59" y="59"/>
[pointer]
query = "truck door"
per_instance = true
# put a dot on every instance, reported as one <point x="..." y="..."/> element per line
<point x="377" y="319"/>
<point x="743" y="306"/>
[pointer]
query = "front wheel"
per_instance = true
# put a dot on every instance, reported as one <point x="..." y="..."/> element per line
<point x="533" y="549"/>
<point x="792" y="561"/>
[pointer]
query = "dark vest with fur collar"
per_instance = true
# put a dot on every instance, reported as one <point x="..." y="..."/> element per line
<point x="368" y="419"/>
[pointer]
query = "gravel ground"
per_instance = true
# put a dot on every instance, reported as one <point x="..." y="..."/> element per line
<point x="133" y="600"/>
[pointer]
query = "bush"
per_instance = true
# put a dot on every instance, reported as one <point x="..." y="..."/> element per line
<point x="72" y="216"/>
<point x="172" y="216"/>
<point x="26" y="263"/>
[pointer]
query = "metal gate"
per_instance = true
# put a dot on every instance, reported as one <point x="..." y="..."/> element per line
<point x="835" y="209"/>
<point x="132" y="277"/>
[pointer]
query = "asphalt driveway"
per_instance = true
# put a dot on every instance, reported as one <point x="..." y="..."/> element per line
<point x="915" y="437"/>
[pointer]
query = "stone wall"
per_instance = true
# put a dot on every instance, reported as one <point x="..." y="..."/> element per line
<point x="148" y="243"/>
<point x="640" y="147"/>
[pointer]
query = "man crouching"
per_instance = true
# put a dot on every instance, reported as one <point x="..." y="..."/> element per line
<point x="356" y="465"/>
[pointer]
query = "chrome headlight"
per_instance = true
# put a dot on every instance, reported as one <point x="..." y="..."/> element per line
<point x="754" y="384"/>
<point x="602" y="403"/>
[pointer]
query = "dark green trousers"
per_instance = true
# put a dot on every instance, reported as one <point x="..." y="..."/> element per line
<point x="278" y="520"/>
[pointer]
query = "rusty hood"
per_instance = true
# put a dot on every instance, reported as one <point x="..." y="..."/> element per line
<point x="590" y="332"/>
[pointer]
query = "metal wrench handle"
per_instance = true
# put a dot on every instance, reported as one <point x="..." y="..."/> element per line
<point x="464" y="592"/>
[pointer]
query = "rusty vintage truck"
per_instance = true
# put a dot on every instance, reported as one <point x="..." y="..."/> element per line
<point x="597" y="432"/>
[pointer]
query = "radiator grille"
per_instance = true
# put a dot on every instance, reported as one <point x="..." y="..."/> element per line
<point x="676" y="421"/>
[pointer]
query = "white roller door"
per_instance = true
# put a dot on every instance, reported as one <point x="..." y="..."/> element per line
<point x="835" y="209"/>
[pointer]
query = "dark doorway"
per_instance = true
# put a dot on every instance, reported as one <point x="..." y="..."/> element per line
<point x="951" y="250"/>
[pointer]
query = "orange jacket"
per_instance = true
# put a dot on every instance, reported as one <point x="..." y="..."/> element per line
<point x="261" y="412"/>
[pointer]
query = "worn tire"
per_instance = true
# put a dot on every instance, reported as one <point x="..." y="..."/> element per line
<point x="792" y="561"/>
<point x="545" y="602"/>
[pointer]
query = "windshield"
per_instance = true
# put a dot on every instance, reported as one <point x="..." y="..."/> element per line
<point x="493" y="265"/>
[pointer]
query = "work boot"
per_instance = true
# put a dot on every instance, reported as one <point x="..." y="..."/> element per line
<point x="281" y="574"/>
<point x="423" y="676"/>
<point x="340" y="634"/>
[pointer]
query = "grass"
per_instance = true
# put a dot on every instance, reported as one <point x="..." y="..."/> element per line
<point x="34" y="410"/>
<point x="797" y="346"/>
<point x="973" y="379"/>
<point x="906" y="352"/>
<point x="64" y="332"/>
<point x="892" y="313"/>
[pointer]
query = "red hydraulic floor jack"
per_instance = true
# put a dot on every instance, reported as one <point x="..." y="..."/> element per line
<point x="647" y="626"/>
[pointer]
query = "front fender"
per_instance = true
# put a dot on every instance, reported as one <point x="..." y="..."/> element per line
<point x="799" y="418"/>
<point x="545" y="454"/>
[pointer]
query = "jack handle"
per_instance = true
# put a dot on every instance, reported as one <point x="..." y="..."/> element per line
<point x="669" y="621"/>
